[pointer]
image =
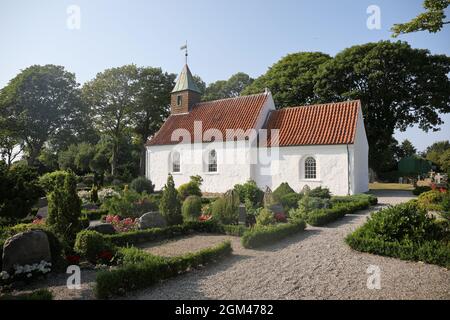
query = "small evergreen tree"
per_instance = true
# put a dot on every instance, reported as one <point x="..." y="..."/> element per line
<point x="170" y="204"/>
<point x="64" y="209"/>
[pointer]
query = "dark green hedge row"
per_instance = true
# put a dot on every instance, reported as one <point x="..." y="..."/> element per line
<point x="262" y="235"/>
<point x="323" y="216"/>
<point x="432" y="251"/>
<point x="357" y="197"/>
<point x="158" y="234"/>
<point x="40" y="294"/>
<point x="141" y="270"/>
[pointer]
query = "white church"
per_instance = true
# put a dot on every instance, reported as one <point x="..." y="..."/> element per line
<point x="231" y="141"/>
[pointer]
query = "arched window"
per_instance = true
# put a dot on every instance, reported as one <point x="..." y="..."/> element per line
<point x="176" y="162"/>
<point x="310" y="168"/>
<point x="212" y="161"/>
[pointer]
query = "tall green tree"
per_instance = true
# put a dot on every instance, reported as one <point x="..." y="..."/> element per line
<point x="230" y="88"/>
<point x="152" y="107"/>
<point x="38" y="104"/>
<point x="291" y="80"/>
<point x="432" y="20"/>
<point x="399" y="87"/>
<point x="112" y="97"/>
<point x="436" y="150"/>
<point x="406" y="149"/>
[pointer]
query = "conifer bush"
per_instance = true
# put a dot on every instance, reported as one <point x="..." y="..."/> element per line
<point x="64" y="208"/>
<point x="170" y="204"/>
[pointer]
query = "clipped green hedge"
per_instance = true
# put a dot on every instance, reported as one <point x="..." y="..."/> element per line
<point x="432" y="251"/>
<point x="324" y="216"/>
<point x="404" y="231"/>
<point x="40" y="294"/>
<point x="373" y="200"/>
<point x="141" y="270"/>
<point x="262" y="235"/>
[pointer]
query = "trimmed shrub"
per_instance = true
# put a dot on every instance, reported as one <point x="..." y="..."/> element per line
<point x="319" y="192"/>
<point x="89" y="245"/>
<point x="262" y="235"/>
<point x="265" y="218"/>
<point x="250" y="191"/>
<point x="64" y="208"/>
<point x="170" y="205"/>
<point x="282" y="190"/>
<point x="233" y="230"/>
<point x="308" y="204"/>
<point x="290" y="201"/>
<point x="406" y="232"/>
<point x="51" y="181"/>
<point x="142" y="184"/>
<point x="191" y="208"/>
<point x="421" y="189"/>
<point x="430" y="201"/>
<point x="192" y="188"/>
<point x="141" y="270"/>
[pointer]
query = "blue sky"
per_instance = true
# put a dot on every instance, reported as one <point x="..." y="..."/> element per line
<point x="224" y="36"/>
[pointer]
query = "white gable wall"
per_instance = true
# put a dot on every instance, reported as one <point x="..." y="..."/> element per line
<point x="360" y="158"/>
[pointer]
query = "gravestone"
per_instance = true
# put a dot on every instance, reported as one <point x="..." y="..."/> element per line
<point x="103" y="228"/>
<point x="242" y="215"/>
<point x="152" y="220"/>
<point x="42" y="212"/>
<point x="26" y="248"/>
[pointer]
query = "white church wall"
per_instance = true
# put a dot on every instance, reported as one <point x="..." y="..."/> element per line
<point x="331" y="167"/>
<point x="233" y="166"/>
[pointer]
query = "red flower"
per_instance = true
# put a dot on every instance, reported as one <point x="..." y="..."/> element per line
<point x="204" y="218"/>
<point x="73" y="259"/>
<point x="105" y="255"/>
<point x="280" y="217"/>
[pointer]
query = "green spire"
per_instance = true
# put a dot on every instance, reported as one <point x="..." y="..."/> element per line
<point x="185" y="81"/>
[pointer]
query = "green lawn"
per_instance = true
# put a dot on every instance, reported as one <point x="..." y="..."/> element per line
<point x="390" y="186"/>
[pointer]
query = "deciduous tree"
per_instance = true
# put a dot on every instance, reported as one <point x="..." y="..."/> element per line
<point x="432" y="20"/>
<point x="291" y="80"/>
<point x="399" y="87"/>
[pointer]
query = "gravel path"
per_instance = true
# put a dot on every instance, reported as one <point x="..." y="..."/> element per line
<point x="316" y="264"/>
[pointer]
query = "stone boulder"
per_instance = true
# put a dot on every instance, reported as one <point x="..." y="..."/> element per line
<point x="103" y="228"/>
<point x="42" y="212"/>
<point x="152" y="220"/>
<point x="26" y="248"/>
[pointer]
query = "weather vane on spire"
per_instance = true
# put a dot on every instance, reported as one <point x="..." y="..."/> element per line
<point x="185" y="47"/>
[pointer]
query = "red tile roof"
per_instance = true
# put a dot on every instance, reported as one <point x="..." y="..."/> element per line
<point x="324" y="124"/>
<point x="235" y="113"/>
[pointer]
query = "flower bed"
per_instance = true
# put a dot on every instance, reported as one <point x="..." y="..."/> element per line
<point x="262" y="235"/>
<point x="140" y="270"/>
